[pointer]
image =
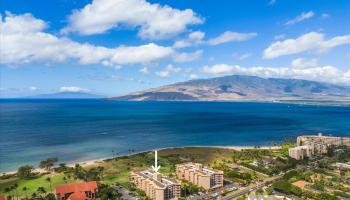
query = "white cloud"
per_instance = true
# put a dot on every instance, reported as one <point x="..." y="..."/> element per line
<point x="311" y="41"/>
<point x="303" y="16"/>
<point x="193" y="38"/>
<point x="219" y="69"/>
<point x="193" y="76"/>
<point x="24" y="41"/>
<point x="318" y="73"/>
<point x="241" y="56"/>
<point x="301" y="63"/>
<point x="144" y="71"/>
<point x="72" y="89"/>
<point x="33" y="88"/>
<point x="197" y="38"/>
<point x="169" y="69"/>
<point x="229" y="36"/>
<point x="187" y="57"/>
<point x="153" y="20"/>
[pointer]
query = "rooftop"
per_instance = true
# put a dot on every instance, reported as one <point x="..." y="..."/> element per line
<point x="204" y="170"/>
<point x="164" y="181"/>
<point x="300" y="184"/>
<point x="77" y="189"/>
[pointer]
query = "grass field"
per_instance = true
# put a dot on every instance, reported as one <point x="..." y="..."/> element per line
<point x="33" y="184"/>
<point x="117" y="170"/>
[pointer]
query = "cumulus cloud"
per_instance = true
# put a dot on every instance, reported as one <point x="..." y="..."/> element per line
<point x="303" y="16"/>
<point x="193" y="38"/>
<point x="72" y="89"/>
<point x="187" y="57"/>
<point x="24" y="41"/>
<point x="241" y="56"/>
<point x="301" y="63"/>
<point x="33" y="88"/>
<point x="311" y="41"/>
<point x="154" y="21"/>
<point x="193" y="76"/>
<point x="168" y="70"/>
<point x="229" y="36"/>
<point x="318" y="73"/>
<point x="144" y="71"/>
<point x="197" y="38"/>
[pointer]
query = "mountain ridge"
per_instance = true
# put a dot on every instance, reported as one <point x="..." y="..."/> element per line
<point x="242" y="88"/>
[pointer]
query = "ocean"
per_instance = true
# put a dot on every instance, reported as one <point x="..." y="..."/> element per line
<point x="80" y="130"/>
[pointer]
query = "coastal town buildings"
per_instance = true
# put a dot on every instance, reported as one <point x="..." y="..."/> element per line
<point x="322" y="139"/>
<point x="156" y="186"/>
<point x="339" y="165"/>
<point x="301" y="152"/>
<point x="77" y="191"/>
<point x="310" y="145"/>
<point x="195" y="173"/>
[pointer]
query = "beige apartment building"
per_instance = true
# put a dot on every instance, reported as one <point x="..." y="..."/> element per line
<point x="195" y="173"/>
<point x="300" y="152"/>
<point x="156" y="186"/>
<point x="321" y="139"/>
<point x="310" y="145"/>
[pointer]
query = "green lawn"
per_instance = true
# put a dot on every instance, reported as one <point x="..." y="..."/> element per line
<point x="118" y="170"/>
<point x="33" y="184"/>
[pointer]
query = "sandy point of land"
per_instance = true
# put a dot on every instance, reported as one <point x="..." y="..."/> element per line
<point x="236" y="148"/>
<point x="239" y="148"/>
<point x="96" y="162"/>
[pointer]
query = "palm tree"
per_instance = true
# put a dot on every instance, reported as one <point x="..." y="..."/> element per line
<point x="100" y="170"/>
<point x="48" y="179"/>
<point x="41" y="190"/>
<point x="25" y="191"/>
<point x="34" y="195"/>
<point x="8" y="190"/>
<point x="65" y="179"/>
<point x="15" y="186"/>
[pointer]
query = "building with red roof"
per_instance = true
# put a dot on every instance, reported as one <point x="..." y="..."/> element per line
<point x="77" y="191"/>
<point x="2" y="198"/>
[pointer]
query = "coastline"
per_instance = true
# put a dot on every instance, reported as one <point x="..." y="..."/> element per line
<point x="89" y="163"/>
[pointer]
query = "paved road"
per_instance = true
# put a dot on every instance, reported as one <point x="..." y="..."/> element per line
<point x="248" y="189"/>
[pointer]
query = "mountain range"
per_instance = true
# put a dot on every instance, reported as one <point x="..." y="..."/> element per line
<point x="243" y="88"/>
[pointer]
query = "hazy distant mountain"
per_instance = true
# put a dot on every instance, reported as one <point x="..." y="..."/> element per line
<point x="239" y="87"/>
<point x="66" y="95"/>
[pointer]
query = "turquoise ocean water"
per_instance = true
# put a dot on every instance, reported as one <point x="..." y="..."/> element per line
<point x="79" y="130"/>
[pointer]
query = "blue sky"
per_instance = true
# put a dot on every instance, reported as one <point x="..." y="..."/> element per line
<point x="113" y="47"/>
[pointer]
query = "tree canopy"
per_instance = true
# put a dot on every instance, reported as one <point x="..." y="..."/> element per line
<point x="25" y="171"/>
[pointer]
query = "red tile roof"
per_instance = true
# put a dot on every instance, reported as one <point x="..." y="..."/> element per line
<point x="77" y="190"/>
<point x="77" y="196"/>
<point x="2" y="198"/>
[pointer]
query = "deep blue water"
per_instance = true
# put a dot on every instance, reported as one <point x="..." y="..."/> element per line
<point x="78" y="130"/>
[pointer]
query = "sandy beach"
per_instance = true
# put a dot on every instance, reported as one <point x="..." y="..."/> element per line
<point x="89" y="163"/>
